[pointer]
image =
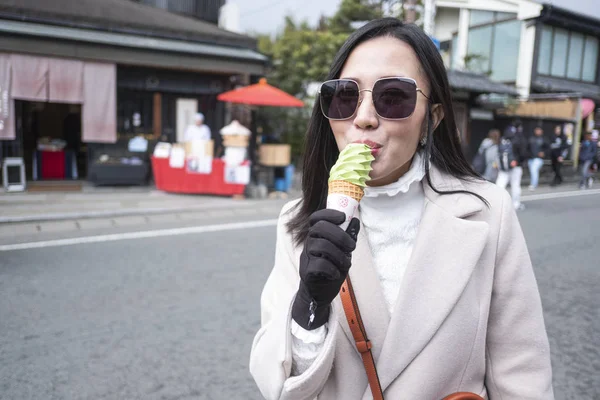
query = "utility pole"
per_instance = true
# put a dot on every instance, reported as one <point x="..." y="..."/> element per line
<point x="410" y="11"/>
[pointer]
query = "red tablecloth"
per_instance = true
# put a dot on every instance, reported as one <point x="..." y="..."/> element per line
<point x="53" y="165"/>
<point x="179" y="180"/>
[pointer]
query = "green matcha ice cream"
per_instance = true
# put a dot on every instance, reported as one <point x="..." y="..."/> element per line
<point x="353" y="165"/>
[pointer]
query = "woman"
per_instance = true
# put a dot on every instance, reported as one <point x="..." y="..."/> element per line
<point x="440" y="267"/>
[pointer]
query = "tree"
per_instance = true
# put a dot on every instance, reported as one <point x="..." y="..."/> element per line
<point x="299" y="55"/>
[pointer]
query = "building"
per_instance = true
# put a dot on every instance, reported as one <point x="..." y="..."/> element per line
<point x="547" y="51"/>
<point x="98" y="73"/>
<point x="206" y="10"/>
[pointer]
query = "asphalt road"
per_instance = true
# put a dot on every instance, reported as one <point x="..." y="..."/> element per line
<point x="173" y="317"/>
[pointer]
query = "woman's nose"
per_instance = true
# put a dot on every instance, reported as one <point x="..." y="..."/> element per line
<point x="366" y="116"/>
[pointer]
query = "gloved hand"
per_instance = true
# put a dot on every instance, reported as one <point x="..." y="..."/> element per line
<point x="324" y="265"/>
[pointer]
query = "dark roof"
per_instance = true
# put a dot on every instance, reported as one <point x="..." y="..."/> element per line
<point x="547" y="84"/>
<point x="123" y="16"/>
<point x="585" y="8"/>
<point x="477" y="83"/>
<point x="572" y="17"/>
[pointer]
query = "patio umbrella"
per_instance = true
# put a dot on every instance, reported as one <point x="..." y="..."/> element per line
<point x="260" y="94"/>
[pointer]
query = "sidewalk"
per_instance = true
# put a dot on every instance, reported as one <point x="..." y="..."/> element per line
<point x="110" y="202"/>
<point x="96" y="203"/>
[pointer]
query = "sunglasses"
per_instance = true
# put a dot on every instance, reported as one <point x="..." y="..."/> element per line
<point x="393" y="98"/>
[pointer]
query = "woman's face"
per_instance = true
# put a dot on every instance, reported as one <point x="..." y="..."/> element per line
<point x="394" y="141"/>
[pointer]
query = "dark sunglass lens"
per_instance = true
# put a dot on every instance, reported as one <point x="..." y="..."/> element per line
<point x="394" y="98"/>
<point x="339" y="99"/>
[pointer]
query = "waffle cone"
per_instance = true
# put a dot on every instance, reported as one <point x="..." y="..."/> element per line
<point x="346" y="188"/>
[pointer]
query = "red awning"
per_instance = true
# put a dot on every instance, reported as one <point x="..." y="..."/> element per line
<point x="260" y="94"/>
<point x="587" y="106"/>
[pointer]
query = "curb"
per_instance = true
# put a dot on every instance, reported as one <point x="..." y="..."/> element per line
<point x="128" y="212"/>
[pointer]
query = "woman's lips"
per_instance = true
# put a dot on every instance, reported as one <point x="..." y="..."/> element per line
<point x="375" y="147"/>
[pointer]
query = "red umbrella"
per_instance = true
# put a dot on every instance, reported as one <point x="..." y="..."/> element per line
<point x="260" y="94"/>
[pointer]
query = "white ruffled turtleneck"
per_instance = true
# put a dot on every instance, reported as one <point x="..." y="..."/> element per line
<point x="390" y="216"/>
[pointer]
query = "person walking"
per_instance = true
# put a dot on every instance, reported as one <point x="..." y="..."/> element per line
<point x="559" y="149"/>
<point x="587" y="154"/>
<point x="486" y="159"/>
<point x="511" y="156"/>
<point x="538" y="149"/>
<point x="438" y="262"/>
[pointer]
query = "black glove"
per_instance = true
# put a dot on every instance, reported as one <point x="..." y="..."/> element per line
<point x="324" y="265"/>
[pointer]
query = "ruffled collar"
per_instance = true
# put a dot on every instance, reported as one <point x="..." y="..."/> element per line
<point x="414" y="174"/>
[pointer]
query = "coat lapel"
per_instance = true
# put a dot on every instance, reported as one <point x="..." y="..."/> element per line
<point x="447" y="249"/>
<point x="369" y="295"/>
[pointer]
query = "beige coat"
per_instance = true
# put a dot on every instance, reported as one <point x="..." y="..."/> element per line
<point x="468" y="315"/>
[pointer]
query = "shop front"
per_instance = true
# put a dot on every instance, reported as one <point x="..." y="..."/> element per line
<point x="51" y="109"/>
<point x="78" y="103"/>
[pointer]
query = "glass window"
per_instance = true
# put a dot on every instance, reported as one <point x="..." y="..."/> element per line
<point x="590" y="59"/>
<point x="478" y="17"/>
<point x="505" y="52"/>
<point x="575" y="54"/>
<point x="545" y="51"/>
<point x="454" y="61"/>
<point x="505" y="15"/>
<point x="478" y="49"/>
<point x="559" y="52"/>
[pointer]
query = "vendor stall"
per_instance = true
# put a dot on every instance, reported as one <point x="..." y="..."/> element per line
<point x="190" y="167"/>
<point x="220" y="181"/>
<point x="274" y="158"/>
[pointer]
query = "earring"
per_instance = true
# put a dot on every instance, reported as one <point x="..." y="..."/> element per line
<point x="423" y="141"/>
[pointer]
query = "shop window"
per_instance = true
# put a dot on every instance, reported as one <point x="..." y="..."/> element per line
<point x="493" y="45"/>
<point x="558" y="65"/>
<point x="575" y="54"/>
<point x="567" y="54"/>
<point x="134" y="112"/>
<point x="478" y="17"/>
<point x="590" y="59"/>
<point x="505" y="50"/>
<point x="454" y="59"/>
<point x="479" y="49"/>
<point x="545" y="51"/>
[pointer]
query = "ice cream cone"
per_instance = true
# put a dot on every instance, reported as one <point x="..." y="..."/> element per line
<point x="347" y="189"/>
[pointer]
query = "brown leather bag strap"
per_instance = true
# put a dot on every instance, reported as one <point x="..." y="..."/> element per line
<point x="360" y="337"/>
<point x="364" y="345"/>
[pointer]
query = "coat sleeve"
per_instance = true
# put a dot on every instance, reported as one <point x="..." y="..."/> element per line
<point x="271" y="354"/>
<point x="517" y="350"/>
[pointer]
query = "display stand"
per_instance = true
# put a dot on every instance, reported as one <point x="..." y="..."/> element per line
<point x="180" y="180"/>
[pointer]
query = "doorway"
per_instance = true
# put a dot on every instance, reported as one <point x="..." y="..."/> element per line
<point x="51" y="126"/>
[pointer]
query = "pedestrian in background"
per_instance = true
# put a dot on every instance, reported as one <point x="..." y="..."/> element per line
<point x="512" y="153"/>
<point x="559" y="148"/>
<point x="453" y="308"/>
<point x="485" y="161"/>
<point x="587" y="154"/>
<point x="538" y="148"/>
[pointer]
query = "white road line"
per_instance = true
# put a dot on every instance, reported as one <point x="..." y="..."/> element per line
<point x="557" y="195"/>
<point x="140" y="235"/>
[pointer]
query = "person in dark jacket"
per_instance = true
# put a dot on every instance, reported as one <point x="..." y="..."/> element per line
<point x="587" y="154"/>
<point x="558" y="152"/>
<point x="538" y="148"/>
<point x="512" y="153"/>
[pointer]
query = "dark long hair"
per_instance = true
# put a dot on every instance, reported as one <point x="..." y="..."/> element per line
<point x="442" y="146"/>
